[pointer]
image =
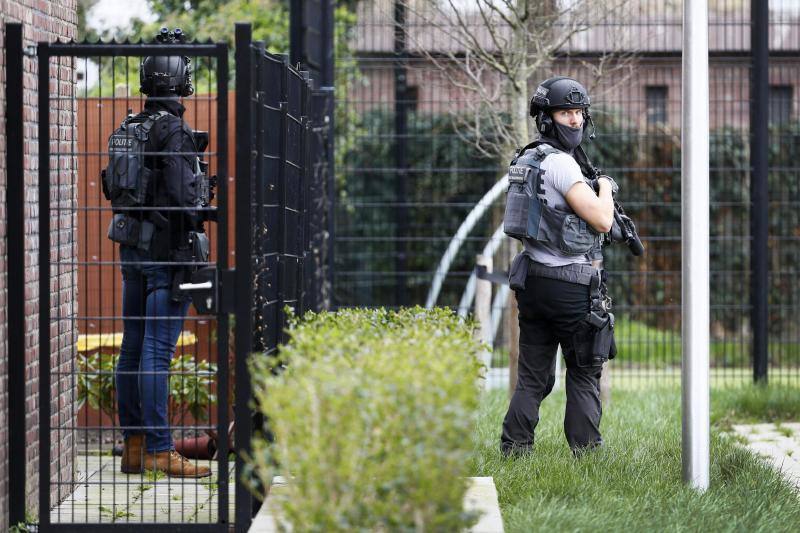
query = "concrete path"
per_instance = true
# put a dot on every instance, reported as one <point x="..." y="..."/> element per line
<point x="778" y="444"/>
<point x="481" y="496"/>
<point x="102" y="494"/>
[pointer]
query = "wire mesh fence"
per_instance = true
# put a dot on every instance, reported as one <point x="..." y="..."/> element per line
<point x="125" y="197"/>
<point x="413" y="172"/>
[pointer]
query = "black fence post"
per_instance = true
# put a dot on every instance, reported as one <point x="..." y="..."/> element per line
<point x="296" y="32"/>
<point x="222" y="258"/>
<point x="280" y="190"/>
<point x="759" y="191"/>
<point x="327" y="84"/>
<point x="401" y="138"/>
<point x="244" y="281"/>
<point x="44" y="284"/>
<point x="15" y="231"/>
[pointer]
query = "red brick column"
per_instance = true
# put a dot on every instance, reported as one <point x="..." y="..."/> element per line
<point x="42" y="20"/>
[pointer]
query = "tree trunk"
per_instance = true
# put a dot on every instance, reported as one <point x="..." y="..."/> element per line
<point x="483" y="312"/>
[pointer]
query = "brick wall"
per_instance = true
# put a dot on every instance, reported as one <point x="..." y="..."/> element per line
<point x="42" y="20"/>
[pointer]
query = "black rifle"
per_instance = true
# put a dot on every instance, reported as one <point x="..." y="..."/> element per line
<point x="623" y="229"/>
<point x="206" y="183"/>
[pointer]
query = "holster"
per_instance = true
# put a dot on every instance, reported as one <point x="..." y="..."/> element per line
<point x="195" y="251"/>
<point x="595" y="344"/>
<point x="518" y="272"/>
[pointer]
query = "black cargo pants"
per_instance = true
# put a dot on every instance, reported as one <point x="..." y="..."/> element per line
<point x="552" y="312"/>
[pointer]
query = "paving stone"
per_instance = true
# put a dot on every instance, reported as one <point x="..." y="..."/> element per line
<point x="780" y="451"/>
<point x="102" y="494"/>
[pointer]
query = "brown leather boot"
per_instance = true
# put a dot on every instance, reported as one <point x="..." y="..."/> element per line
<point x="174" y="464"/>
<point x="132" y="455"/>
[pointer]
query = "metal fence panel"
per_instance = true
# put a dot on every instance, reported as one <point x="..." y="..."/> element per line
<point x="411" y="176"/>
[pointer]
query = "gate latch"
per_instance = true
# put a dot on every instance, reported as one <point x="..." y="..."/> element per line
<point x="213" y="290"/>
<point x="203" y="289"/>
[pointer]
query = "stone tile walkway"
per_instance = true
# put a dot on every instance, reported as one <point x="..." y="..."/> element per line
<point x="481" y="496"/>
<point x="102" y="494"/>
<point x="778" y="444"/>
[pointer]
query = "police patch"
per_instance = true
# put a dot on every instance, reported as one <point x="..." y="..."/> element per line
<point x="518" y="174"/>
<point x="120" y="143"/>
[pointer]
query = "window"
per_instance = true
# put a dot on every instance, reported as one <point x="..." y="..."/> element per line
<point x="656" y="101"/>
<point x="780" y="104"/>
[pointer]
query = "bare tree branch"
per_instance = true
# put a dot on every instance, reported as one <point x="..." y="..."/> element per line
<point x="490" y="50"/>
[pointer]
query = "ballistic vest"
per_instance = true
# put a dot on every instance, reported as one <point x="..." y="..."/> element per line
<point x="528" y="217"/>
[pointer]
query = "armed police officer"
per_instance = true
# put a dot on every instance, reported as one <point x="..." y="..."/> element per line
<point x="158" y="192"/>
<point x="560" y="215"/>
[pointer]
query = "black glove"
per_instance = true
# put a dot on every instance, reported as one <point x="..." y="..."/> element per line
<point x="596" y="184"/>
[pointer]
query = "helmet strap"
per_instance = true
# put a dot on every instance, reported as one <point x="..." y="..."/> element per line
<point x="545" y="123"/>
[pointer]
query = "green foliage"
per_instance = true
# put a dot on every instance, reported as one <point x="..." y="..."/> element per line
<point x="96" y="381"/>
<point x="190" y="388"/>
<point x="634" y="482"/>
<point x="755" y="404"/>
<point x="443" y="170"/>
<point x="646" y="164"/>
<point x="214" y="20"/>
<point x="640" y="343"/>
<point x="83" y="8"/>
<point x="190" y="385"/>
<point x="371" y="419"/>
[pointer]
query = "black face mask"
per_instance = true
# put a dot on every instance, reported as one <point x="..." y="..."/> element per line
<point x="570" y="138"/>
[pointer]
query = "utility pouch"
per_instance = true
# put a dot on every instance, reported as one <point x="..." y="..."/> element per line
<point x="576" y="236"/>
<point x="518" y="205"/>
<point x="124" y="230"/>
<point x="200" y="246"/>
<point x="146" y="235"/>
<point x="518" y="272"/>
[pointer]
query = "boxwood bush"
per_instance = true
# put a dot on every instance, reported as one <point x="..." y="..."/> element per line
<point x="372" y="413"/>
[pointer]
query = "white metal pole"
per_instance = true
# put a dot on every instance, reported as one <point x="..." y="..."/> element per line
<point x="695" y="250"/>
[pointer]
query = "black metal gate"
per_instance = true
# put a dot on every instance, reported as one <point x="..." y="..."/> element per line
<point x="281" y="172"/>
<point x="80" y="486"/>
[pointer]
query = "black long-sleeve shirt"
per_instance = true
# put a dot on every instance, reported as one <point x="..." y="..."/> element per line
<point x="175" y="183"/>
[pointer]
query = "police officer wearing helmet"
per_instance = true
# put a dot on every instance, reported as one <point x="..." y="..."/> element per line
<point x="156" y="187"/>
<point x="559" y="217"/>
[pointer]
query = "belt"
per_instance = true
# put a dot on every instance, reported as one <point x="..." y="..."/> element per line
<point x="580" y="273"/>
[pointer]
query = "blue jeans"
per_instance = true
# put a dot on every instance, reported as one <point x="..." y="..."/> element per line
<point x="152" y="323"/>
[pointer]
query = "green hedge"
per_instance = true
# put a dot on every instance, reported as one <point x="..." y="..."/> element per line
<point x="646" y="164"/>
<point x="372" y="417"/>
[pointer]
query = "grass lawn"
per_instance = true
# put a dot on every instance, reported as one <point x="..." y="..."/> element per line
<point x="634" y="482"/>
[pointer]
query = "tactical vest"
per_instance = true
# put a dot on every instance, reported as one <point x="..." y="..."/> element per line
<point x="528" y="217"/>
<point x="127" y="181"/>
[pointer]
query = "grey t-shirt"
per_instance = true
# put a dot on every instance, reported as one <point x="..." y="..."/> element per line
<point x="559" y="173"/>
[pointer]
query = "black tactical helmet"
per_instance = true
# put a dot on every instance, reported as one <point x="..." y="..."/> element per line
<point x="559" y="92"/>
<point x="166" y="75"/>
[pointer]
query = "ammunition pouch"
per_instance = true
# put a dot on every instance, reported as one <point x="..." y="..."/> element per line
<point x="518" y="273"/>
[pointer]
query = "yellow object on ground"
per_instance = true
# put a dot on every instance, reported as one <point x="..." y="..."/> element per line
<point x="94" y="341"/>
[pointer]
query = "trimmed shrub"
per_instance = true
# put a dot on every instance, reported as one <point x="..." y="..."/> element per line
<point x="372" y="413"/>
